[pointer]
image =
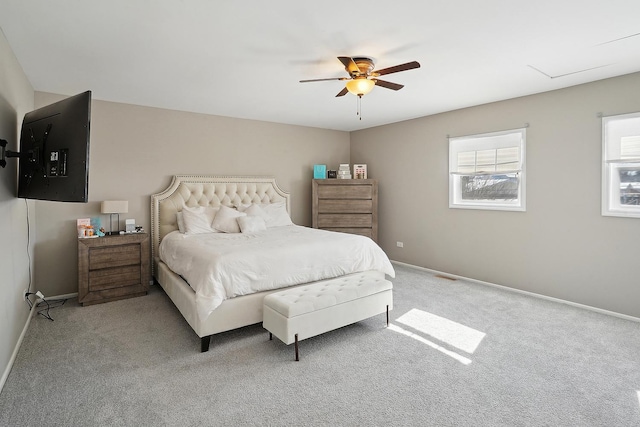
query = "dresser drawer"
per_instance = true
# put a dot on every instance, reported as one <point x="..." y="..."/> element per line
<point x="345" y="191"/>
<point x="345" y="206"/>
<point x="344" y="220"/>
<point x="114" y="256"/>
<point x="367" y="232"/>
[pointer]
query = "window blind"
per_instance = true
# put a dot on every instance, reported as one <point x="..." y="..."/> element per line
<point x="486" y="171"/>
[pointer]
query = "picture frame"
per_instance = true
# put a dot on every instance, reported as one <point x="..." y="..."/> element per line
<point x="359" y="171"/>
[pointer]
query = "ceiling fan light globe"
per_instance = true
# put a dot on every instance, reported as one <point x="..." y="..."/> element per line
<point x="360" y="87"/>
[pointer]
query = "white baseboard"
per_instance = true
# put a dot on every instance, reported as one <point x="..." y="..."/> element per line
<point x="7" y="370"/>
<point x="5" y="374"/>
<point x="520" y="291"/>
<point x="64" y="296"/>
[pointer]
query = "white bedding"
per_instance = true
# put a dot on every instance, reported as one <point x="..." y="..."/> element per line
<point x="224" y="265"/>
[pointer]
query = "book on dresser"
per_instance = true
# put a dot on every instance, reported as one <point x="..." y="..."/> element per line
<point x="346" y="205"/>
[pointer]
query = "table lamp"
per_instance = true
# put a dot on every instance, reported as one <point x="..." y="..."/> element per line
<point x="114" y="207"/>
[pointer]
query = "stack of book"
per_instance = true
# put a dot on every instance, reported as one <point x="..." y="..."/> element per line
<point x="344" y="172"/>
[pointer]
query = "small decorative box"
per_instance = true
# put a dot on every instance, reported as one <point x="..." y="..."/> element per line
<point x="319" y="171"/>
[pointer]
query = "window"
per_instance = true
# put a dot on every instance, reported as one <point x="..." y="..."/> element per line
<point x="621" y="165"/>
<point x="487" y="171"/>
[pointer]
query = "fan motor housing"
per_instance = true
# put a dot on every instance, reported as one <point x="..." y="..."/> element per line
<point x="365" y="65"/>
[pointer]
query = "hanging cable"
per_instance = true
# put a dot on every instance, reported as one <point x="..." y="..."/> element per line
<point x="28" y="293"/>
<point x="28" y="243"/>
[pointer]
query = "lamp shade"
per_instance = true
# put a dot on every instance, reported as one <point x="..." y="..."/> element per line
<point x="114" y="206"/>
<point x="360" y="86"/>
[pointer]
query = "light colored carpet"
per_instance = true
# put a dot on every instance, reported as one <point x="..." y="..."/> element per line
<point x="456" y="354"/>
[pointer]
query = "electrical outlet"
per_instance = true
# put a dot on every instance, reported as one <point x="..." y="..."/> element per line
<point x="26" y="293"/>
<point x="400" y="244"/>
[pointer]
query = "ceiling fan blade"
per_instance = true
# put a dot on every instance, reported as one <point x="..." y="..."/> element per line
<point x="388" y="85"/>
<point x="349" y="64"/>
<point x="324" y="80"/>
<point x="398" y="68"/>
<point x="343" y="92"/>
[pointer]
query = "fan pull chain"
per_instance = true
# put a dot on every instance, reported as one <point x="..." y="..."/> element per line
<point x="359" y="108"/>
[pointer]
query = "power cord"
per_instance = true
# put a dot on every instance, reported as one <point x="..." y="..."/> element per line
<point x="28" y="243"/>
<point x="26" y="295"/>
<point x="54" y="303"/>
<point x="44" y="312"/>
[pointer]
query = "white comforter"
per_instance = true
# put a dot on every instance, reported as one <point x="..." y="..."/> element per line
<point x="220" y="265"/>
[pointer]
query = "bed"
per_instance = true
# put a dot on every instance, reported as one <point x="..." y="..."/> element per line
<point x="234" y="299"/>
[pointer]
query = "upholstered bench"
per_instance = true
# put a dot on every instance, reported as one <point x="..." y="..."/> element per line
<point x="305" y="311"/>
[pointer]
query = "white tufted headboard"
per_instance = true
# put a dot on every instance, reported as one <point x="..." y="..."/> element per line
<point x="202" y="190"/>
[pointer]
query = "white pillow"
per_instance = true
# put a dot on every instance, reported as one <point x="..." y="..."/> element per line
<point x="251" y="223"/>
<point x="180" y="219"/>
<point x="197" y="220"/>
<point x="226" y="220"/>
<point x="278" y="215"/>
<point x="256" y="210"/>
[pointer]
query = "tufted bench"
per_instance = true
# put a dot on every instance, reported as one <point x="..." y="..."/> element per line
<point x="306" y="311"/>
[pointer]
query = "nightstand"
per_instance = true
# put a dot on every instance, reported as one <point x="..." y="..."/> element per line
<point x="113" y="267"/>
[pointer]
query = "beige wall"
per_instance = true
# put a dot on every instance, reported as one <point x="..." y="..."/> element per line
<point x="16" y="98"/>
<point x="135" y="150"/>
<point x="561" y="246"/>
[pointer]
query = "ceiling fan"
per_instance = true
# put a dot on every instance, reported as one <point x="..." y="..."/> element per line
<point x="362" y="76"/>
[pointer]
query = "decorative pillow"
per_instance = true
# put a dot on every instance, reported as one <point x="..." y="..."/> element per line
<point x="180" y="219"/>
<point x="256" y="210"/>
<point x="226" y="220"/>
<point x="278" y="215"/>
<point x="197" y="220"/>
<point x="251" y="223"/>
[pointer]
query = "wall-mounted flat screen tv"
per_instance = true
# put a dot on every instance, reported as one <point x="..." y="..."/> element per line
<point x="54" y="151"/>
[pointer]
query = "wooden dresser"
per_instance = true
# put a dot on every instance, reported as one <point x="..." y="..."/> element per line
<point x="346" y="205"/>
<point x="113" y="267"/>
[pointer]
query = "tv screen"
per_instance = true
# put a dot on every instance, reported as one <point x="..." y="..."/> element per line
<point x="54" y="151"/>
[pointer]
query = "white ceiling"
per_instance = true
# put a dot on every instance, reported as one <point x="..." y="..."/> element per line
<point x="245" y="58"/>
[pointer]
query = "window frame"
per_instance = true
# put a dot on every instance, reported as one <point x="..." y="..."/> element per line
<point x="480" y="142"/>
<point x="612" y="162"/>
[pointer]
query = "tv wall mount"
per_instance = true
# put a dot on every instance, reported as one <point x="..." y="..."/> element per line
<point x="34" y="156"/>
<point x="6" y="153"/>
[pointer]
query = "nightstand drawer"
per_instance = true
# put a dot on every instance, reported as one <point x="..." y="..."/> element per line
<point x="109" y="278"/>
<point x="114" y="256"/>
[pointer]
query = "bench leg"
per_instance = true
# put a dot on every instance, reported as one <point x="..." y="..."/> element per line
<point x="387" y="316"/>
<point x="204" y="343"/>
<point x="297" y="355"/>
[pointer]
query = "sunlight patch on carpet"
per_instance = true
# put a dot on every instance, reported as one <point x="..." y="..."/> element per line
<point x="458" y="357"/>
<point x="453" y="333"/>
